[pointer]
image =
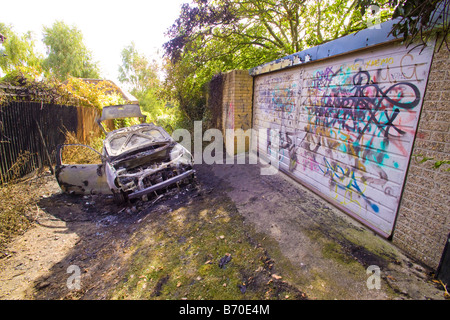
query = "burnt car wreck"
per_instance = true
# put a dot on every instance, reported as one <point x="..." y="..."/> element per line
<point x="136" y="161"/>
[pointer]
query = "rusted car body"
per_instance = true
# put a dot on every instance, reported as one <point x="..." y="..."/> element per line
<point x="135" y="161"/>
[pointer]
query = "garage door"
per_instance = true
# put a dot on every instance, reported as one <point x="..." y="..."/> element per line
<point x="345" y="126"/>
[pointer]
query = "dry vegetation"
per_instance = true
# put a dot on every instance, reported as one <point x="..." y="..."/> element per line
<point x="18" y="207"/>
<point x="76" y="153"/>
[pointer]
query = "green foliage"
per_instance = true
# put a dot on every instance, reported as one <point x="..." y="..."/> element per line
<point x="25" y="87"/>
<point x="214" y="36"/>
<point x="74" y="91"/>
<point x="161" y="113"/>
<point x="142" y="78"/>
<point x="19" y="52"/>
<point x="95" y="94"/>
<point x="68" y="59"/>
<point x="419" y="20"/>
<point x="136" y="71"/>
<point x="436" y="164"/>
<point x="67" y="54"/>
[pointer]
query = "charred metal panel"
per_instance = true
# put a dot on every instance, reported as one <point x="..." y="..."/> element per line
<point x="345" y="126"/>
<point x="129" y="139"/>
<point x="136" y="161"/>
<point x="82" y="179"/>
<point x="121" y="111"/>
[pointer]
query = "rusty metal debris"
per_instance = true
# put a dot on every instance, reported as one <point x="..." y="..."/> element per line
<point x="136" y="161"/>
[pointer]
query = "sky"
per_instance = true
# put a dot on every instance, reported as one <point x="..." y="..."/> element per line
<point x="107" y="26"/>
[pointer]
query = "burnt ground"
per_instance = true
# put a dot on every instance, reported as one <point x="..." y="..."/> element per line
<point x="233" y="235"/>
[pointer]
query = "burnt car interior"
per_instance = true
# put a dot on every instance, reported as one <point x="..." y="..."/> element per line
<point x="136" y="161"/>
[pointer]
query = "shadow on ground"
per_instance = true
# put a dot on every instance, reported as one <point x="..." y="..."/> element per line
<point x="190" y="244"/>
<point x="233" y="235"/>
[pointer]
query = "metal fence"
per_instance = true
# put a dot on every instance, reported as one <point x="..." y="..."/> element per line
<point x="29" y="134"/>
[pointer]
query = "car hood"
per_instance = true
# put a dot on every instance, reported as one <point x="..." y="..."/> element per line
<point x="130" y="139"/>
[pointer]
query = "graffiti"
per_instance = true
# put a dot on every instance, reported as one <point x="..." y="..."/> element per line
<point x="285" y="146"/>
<point x="283" y="99"/>
<point x="365" y="104"/>
<point x="346" y="113"/>
<point x="345" y="179"/>
<point x="346" y="126"/>
<point x="359" y="120"/>
<point x="229" y="120"/>
<point x="244" y="120"/>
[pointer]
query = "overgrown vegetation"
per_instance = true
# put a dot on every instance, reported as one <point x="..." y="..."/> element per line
<point x="142" y="77"/>
<point x="211" y="37"/>
<point x="67" y="54"/>
<point x="18" y="208"/>
<point x="19" y="197"/>
<point x="419" y="20"/>
<point x="76" y="153"/>
<point x="60" y="76"/>
<point x="18" y="86"/>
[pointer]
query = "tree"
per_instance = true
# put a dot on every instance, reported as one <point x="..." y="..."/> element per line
<point x="67" y="54"/>
<point x="213" y="36"/>
<point x="137" y="71"/>
<point x="419" y="20"/>
<point x="277" y="27"/>
<point x="19" y="53"/>
<point x="142" y="78"/>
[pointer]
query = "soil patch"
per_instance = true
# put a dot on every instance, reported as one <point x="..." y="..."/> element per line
<point x="233" y="235"/>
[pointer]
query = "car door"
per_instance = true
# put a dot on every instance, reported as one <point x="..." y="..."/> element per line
<point x="81" y="178"/>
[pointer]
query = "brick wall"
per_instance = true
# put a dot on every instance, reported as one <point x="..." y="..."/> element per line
<point x="237" y="104"/>
<point x="423" y="222"/>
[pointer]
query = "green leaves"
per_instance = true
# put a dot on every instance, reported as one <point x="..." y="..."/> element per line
<point x="419" y="20"/>
<point x="137" y="71"/>
<point x="142" y="78"/>
<point x="67" y="54"/>
<point x="213" y="36"/>
<point x="19" y="52"/>
<point x="437" y="163"/>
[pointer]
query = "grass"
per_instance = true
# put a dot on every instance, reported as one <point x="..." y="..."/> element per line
<point x="179" y="259"/>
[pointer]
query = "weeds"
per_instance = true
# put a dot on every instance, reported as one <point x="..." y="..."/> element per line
<point x="76" y="153"/>
<point x="18" y="199"/>
<point x="15" y="171"/>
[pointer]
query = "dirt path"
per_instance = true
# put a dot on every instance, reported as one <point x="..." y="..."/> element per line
<point x="283" y="243"/>
<point x="325" y="252"/>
